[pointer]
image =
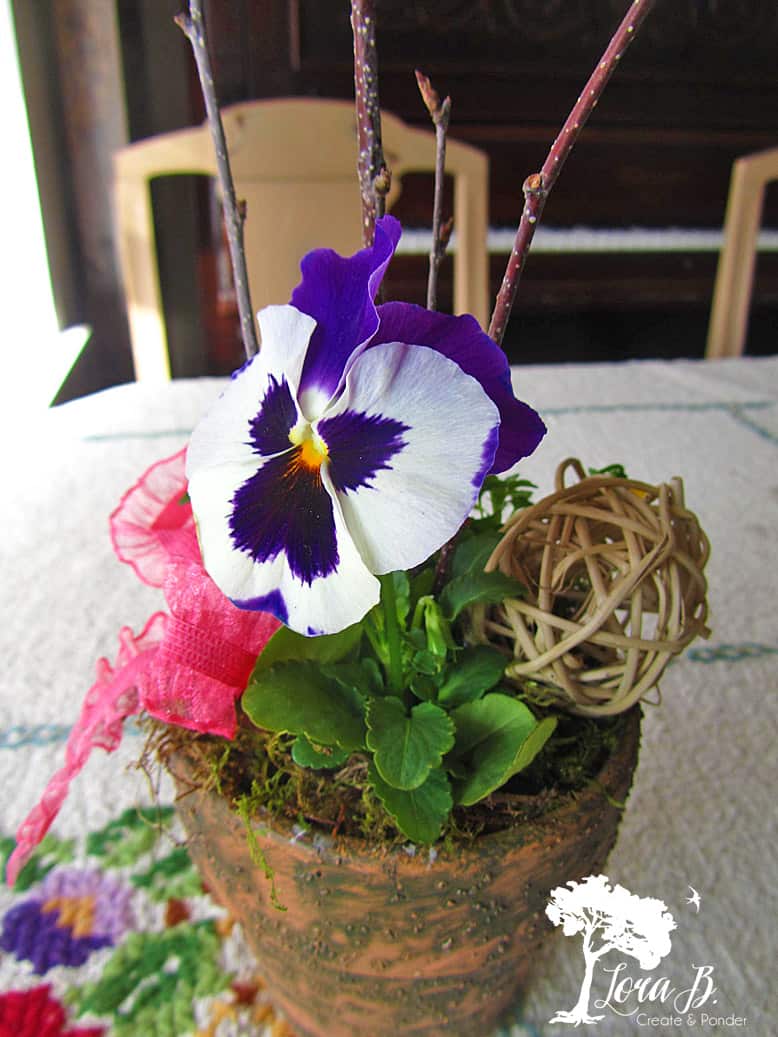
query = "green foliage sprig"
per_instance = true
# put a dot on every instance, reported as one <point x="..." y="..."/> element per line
<point x="402" y="688"/>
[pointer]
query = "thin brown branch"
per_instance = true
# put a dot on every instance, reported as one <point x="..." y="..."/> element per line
<point x="538" y="186"/>
<point x="440" y="113"/>
<point x="373" y="173"/>
<point x="193" y="27"/>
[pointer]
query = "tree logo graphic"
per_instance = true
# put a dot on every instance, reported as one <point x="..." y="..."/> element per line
<point x="609" y="918"/>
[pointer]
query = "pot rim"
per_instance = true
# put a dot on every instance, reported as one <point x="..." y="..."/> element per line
<point x="613" y="780"/>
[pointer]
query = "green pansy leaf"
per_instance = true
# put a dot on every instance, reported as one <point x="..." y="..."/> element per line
<point x="402" y="595"/>
<point x="374" y="678"/>
<point x="287" y="644"/>
<point x="478" y="587"/>
<point x="425" y="662"/>
<point x="490" y="738"/>
<point x="533" y="743"/>
<point x="422" y="584"/>
<point x="318" y="757"/>
<point x="475" y="671"/>
<point x="299" y="698"/>
<point x="407" y="746"/>
<point x="418" y="813"/>
<point x="473" y="552"/>
<point x="424" y="687"/>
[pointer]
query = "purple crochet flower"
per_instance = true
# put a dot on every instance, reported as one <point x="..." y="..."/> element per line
<point x="73" y="913"/>
<point x="354" y="444"/>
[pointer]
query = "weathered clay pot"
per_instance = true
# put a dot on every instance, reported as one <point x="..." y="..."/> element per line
<point x="380" y="944"/>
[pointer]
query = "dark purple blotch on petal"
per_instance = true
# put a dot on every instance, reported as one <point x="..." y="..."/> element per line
<point x="462" y="340"/>
<point x="284" y="508"/>
<point x="277" y="415"/>
<point x="487" y="457"/>
<point x="359" y="446"/>
<point x="338" y="292"/>
<point x="273" y="603"/>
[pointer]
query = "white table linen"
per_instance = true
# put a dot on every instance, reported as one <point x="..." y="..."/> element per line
<point x="702" y="811"/>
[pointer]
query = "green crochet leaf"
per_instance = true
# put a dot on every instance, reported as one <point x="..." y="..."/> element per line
<point x="133" y="833"/>
<point x="150" y="982"/>
<point x="47" y="855"/>
<point x="170" y="876"/>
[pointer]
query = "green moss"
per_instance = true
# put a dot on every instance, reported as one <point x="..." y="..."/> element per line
<point x="256" y="774"/>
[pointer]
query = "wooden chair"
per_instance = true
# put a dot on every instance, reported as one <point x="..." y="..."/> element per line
<point x="737" y="261"/>
<point x="294" y="163"/>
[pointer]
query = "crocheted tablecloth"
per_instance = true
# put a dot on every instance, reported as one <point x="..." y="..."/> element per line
<point x="109" y="930"/>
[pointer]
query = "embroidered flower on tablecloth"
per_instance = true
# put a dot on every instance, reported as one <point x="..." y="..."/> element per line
<point x="74" y="913"/>
<point x="36" y="1013"/>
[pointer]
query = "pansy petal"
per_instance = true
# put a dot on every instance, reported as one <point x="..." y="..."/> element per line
<point x="256" y="410"/>
<point x="462" y="340"/>
<point x="338" y="293"/>
<point x="324" y="593"/>
<point x="417" y="486"/>
<point x="285" y="332"/>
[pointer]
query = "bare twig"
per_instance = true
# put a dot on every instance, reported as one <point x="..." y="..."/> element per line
<point x="440" y="113"/>
<point x="538" y="186"/>
<point x="193" y="27"/>
<point x="374" y="177"/>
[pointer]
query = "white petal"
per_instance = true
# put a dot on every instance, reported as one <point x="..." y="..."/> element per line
<point x="222" y="436"/>
<point x="412" y="507"/>
<point x="326" y="605"/>
<point x="285" y="333"/>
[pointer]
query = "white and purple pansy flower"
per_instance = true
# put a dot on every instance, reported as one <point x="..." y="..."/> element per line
<point x="353" y="445"/>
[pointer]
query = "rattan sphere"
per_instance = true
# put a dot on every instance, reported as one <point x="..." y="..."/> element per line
<point x="615" y="588"/>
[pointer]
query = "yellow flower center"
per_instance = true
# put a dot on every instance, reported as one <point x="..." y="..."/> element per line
<point x="313" y="449"/>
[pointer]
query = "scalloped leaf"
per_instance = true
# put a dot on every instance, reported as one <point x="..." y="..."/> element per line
<point x="478" y="587"/>
<point x="286" y="644"/>
<point x="476" y="671"/>
<point x="317" y="757"/>
<point x="497" y="736"/>
<point x="407" y="746"/>
<point x="418" y="813"/>
<point x="299" y="698"/>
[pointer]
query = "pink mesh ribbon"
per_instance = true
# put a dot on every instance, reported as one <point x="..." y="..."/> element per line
<point x="154" y="523"/>
<point x="187" y="668"/>
<point x="206" y="656"/>
<point x="111" y="699"/>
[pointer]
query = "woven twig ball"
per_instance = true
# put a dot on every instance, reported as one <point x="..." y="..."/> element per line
<point x="615" y="588"/>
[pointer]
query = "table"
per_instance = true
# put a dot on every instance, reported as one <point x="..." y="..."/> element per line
<point x="702" y="811"/>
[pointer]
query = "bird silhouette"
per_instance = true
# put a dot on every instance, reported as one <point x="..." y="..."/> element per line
<point x="694" y="899"/>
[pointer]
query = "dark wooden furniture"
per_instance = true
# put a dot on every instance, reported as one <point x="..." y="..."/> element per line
<point x="698" y="88"/>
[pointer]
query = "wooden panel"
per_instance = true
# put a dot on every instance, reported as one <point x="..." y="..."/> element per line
<point x="696" y="90"/>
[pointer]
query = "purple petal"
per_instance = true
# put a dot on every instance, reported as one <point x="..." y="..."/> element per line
<point x="462" y="340"/>
<point x="273" y="603"/>
<point x="276" y="416"/>
<point x="338" y="293"/>
<point x="359" y="446"/>
<point x="284" y="508"/>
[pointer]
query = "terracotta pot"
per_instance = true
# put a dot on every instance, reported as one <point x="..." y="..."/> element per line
<point x="381" y="944"/>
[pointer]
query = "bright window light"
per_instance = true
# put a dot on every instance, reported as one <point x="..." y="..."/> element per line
<point x="34" y="356"/>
